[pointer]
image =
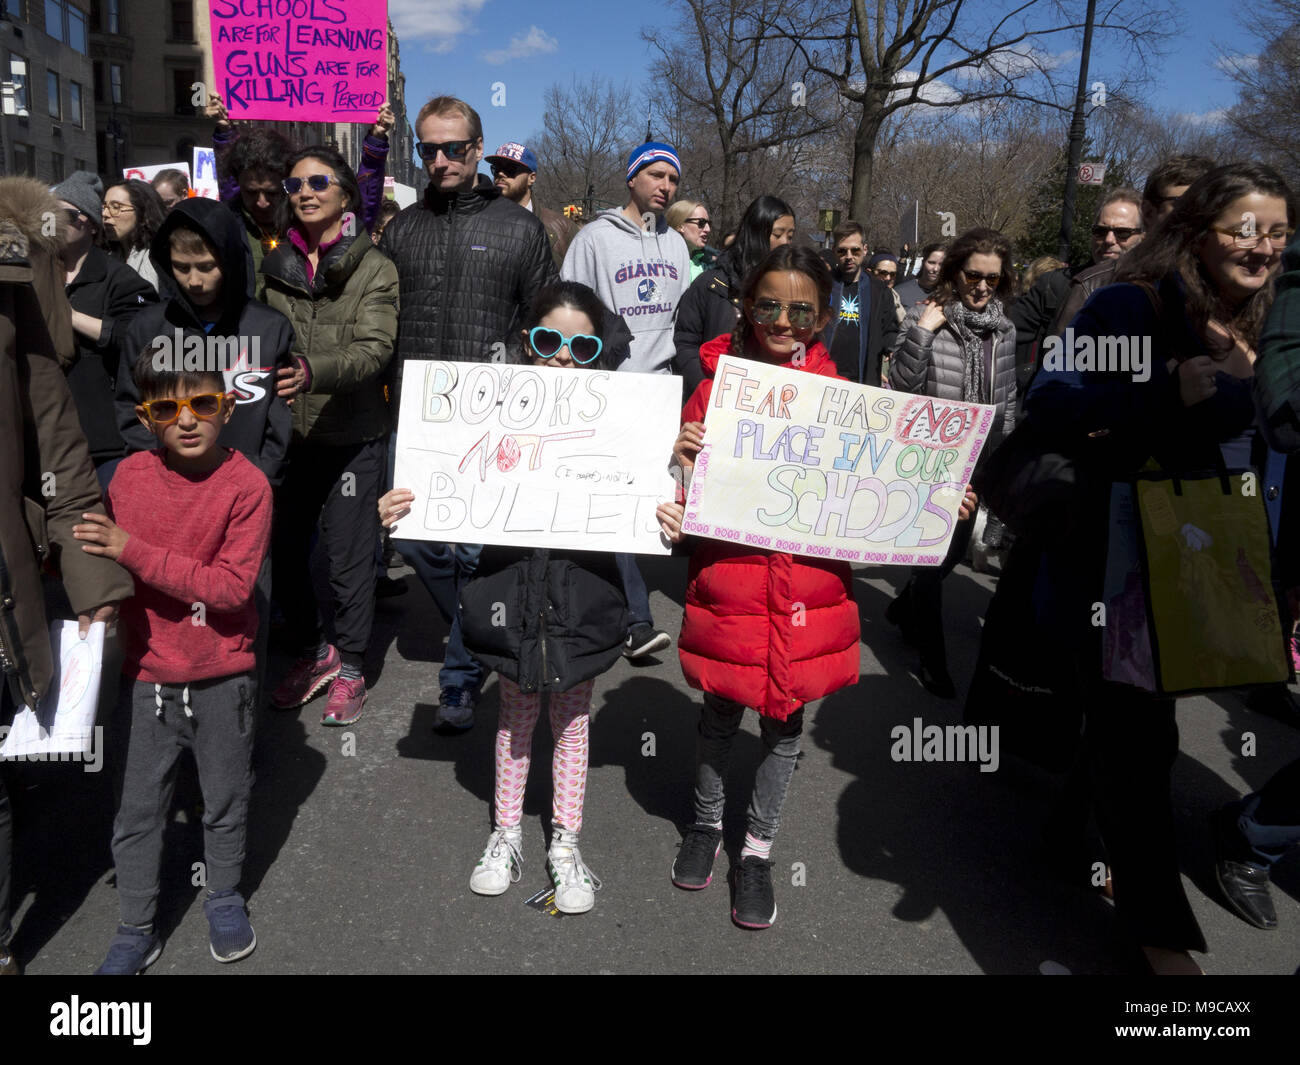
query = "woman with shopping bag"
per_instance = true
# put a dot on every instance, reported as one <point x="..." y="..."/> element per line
<point x="1149" y="394"/>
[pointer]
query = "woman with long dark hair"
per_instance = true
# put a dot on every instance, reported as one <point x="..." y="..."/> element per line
<point x="133" y="213"/>
<point x="1198" y="289"/>
<point x="957" y="345"/>
<point x="711" y="305"/>
<point x="340" y="293"/>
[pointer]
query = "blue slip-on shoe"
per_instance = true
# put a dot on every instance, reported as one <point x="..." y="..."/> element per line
<point x="230" y="936"/>
<point x="132" y="951"/>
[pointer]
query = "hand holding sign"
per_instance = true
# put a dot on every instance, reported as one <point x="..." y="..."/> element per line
<point x="384" y="122"/>
<point x="216" y="110"/>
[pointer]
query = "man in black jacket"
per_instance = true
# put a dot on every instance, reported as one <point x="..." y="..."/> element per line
<point x="105" y="295"/>
<point x="858" y="349"/>
<point x="470" y="263"/>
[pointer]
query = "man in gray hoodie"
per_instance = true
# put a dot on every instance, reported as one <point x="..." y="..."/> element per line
<point x="639" y="266"/>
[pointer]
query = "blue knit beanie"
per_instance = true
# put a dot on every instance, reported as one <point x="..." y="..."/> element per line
<point x="652" y="152"/>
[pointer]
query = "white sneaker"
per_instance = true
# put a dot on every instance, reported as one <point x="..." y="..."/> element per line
<point x="501" y="864"/>
<point x="575" y="884"/>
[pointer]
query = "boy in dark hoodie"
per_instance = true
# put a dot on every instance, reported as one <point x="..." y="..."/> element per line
<point x="202" y="247"/>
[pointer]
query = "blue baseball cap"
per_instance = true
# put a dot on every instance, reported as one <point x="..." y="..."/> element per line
<point x="512" y="152"/>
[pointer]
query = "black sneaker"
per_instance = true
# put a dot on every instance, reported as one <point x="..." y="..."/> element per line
<point x="693" y="868"/>
<point x="644" y="639"/>
<point x="755" y="905"/>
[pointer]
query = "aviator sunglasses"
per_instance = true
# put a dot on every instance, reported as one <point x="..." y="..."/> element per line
<point x="547" y="343"/>
<point x="166" y="411"/>
<point x="768" y="312"/>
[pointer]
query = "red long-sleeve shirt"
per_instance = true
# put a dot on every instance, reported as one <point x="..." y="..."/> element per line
<point x="195" y="547"/>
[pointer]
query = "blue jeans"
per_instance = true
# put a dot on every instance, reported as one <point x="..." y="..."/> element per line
<point x="444" y="569"/>
<point x="638" y="598"/>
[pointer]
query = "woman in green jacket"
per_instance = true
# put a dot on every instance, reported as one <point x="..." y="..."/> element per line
<point x="340" y="293"/>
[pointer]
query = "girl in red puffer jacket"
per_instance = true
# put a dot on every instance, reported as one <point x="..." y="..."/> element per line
<point x="740" y="641"/>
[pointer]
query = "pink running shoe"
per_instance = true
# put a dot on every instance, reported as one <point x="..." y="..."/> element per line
<point x="305" y="678"/>
<point x="347" y="697"/>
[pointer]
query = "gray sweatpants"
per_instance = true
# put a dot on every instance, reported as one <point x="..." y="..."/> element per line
<point x="214" y="718"/>
<point x="719" y="722"/>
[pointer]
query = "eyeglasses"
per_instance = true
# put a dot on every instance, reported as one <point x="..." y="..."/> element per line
<point x="886" y="275"/>
<point x="974" y="277"/>
<point x="768" y="312"/>
<point x="1122" y="233"/>
<point x="547" y="343"/>
<point x="72" y="214"/>
<point x="698" y="223"/>
<point x="117" y="208"/>
<point x="1247" y="241"/>
<point x="511" y="171"/>
<point x="854" y="252"/>
<point x="315" y="182"/>
<point x="455" y="151"/>
<point x="166" y="411"/>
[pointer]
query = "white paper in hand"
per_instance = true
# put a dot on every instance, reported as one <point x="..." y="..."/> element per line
<point x="64" y="723"/>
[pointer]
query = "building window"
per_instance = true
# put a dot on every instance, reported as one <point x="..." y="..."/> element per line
<point x="74" y="104"/>
<point x="18" y="76"/>
<point x="56" y="166"/>
<point x="114" y="17"/>
<point x="80" y="164"/>
<point x="98" y="74"/>
<point x="76" y="30"/>
<point x="54" y="19"/>
<point x="182" y="89"/>
<point x="24" y="160"/>
<point x="183" y="21"/>
<point x="115" y="80"/>
<point x="52" y="89"/>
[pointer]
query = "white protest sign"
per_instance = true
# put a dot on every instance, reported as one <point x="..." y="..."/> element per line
<point x="531" y="456"/>
<point x="64" y="723"/>
<point x="204" y="181"/>
<point x="813" y="465"/>
<point x="148" y="173"/>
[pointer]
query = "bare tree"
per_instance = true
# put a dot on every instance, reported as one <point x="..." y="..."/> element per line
<point x="588" y="130"/>
<point x="948" y="54"/>
<point x="1265" y="122"/>
<point x="731" y="72"/>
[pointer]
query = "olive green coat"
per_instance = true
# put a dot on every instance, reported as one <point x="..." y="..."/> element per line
<point x="345" y="326"/>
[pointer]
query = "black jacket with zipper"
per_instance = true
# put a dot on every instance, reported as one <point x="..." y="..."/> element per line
<point x="470" y="264"/>
<point x="547" y="620"/>
<point x="108" y="289"/>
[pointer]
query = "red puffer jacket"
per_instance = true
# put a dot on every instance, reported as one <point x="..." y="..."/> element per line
<point x="766" y="629"/>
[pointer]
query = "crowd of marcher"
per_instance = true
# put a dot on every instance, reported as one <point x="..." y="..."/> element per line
<point x="314" y="291"/>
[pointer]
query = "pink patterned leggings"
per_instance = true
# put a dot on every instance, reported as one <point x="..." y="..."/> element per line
<point x="570" y="718"/>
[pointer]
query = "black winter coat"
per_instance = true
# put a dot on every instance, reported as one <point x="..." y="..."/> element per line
<point x="109" y="289"/>
<point x="470" y="265"/>
<point x="261" y="425"/>
<point x="708" y="309"/>
<point x="547" y="620"/>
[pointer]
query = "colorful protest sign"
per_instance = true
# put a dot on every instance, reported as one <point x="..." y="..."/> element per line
<point x="812" y="465"/>
<point x="204" y="182"/>
<point x="301" y="60"/>
<point x="537" y="457"/>
<point x="148" y="173"/>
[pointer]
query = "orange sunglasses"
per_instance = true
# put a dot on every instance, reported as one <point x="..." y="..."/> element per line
<point x="165" y="411"/>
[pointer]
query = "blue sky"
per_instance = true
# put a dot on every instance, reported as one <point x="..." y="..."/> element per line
<point x="465" y="47"/>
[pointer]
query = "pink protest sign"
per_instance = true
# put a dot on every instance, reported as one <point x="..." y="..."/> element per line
<point x="301" y="60"/>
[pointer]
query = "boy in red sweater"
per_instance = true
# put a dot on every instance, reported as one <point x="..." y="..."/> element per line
<point x="191" y="522"/>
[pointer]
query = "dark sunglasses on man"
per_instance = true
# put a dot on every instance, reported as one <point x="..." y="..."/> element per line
<point x="1122" y="233"/>
<point x="510" y="170"/>
<point x="455" y="151"/>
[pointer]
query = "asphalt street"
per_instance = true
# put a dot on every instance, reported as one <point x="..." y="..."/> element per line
<point x="362" y="840"/>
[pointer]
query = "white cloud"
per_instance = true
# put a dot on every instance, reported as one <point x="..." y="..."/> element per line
<point x="1230" y="64"/>
<point x="435" y="25"/>
<point x="1205" y="118"/>
<point x="523" y="45"/>
<point x="935" y="91"/>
